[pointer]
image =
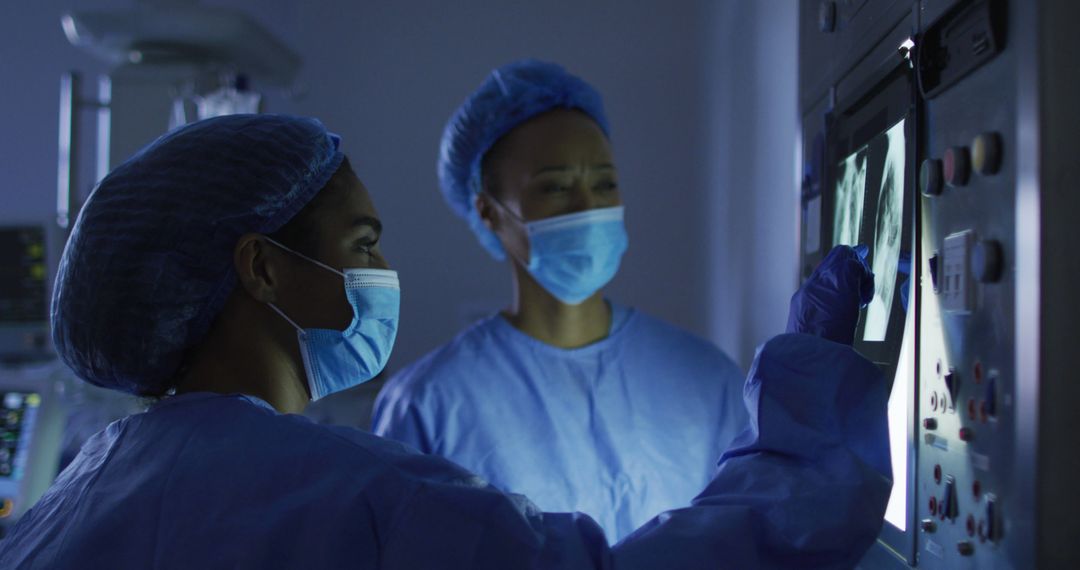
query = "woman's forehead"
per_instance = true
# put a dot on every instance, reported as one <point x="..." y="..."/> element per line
<point x="345" y="198"/>
<point x="554" y="138"/>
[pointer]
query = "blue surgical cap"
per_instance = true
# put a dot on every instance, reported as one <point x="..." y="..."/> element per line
<point x="148" y="265"/>
<point x="511" y="95"/>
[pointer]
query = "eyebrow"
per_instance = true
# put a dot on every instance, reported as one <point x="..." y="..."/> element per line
<point x="362" y="221"/>
<point x="566" y="167"/>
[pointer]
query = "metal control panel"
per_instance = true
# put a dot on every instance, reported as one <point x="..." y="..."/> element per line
<point x="966" y="475"/>
<point x="982" y="414"/>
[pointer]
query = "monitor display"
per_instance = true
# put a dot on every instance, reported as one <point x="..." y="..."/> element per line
<point x="18" y="410"/>
<point x="23" y="275"/>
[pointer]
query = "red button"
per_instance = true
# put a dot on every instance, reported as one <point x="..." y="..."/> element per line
<point x="967" y="434"/>
<point x="929" y="424"/>
<point x="937" y="474"/>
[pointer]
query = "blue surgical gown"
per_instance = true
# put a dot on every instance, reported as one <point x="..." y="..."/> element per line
<point x="622" y="429"/>
<point x="223" y="481"/>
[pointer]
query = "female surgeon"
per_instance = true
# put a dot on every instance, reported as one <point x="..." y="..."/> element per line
<point x="232" y="269"/>
<point x="580" y="403"/>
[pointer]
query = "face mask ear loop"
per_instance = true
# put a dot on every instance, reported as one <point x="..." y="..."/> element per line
<point x="506" y="209"/>
<point x="298" y="328"/>
<point x="521" y="222"/>
<point x="298" y="254"/>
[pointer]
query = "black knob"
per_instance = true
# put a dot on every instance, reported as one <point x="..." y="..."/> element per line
<point x="827" y="16"/>
<point x="986" y="261"/>
<point x="931" y="179"/>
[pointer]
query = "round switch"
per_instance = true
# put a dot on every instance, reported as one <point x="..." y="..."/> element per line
<point x="956" y="166"/>
<point x="827" y="16"/>
<point x="986" y="153"/>
<point x="986" y="261"/>
<point x="930" y="177"/>
<point x="966" y="434"/>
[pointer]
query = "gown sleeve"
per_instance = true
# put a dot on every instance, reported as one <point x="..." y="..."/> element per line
<point x="805" y="486"/>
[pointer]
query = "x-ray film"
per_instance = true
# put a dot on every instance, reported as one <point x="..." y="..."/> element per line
<point x="888" y="230"/>
<point x="872" y="179"/>
<point x="850" y="196"/>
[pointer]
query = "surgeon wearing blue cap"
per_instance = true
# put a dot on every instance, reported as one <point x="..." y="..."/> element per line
<point x="232" y="270"/>
<point x="580" y="402"/>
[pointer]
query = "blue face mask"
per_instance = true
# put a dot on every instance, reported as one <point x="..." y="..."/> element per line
<point x="572" y="256"/>
<point x="336" y="360"/>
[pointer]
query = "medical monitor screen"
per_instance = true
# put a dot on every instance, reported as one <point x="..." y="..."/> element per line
<point x="23" y="276"/>
<point x="18" y="410"/>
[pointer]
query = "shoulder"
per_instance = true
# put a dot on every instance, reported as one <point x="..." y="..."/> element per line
<point x="339" y="444"/>
<point x="348" y="452"/>
<point x="661" y="337"/>
<point x="445" y="365"/>
<point x="416" y="397"/>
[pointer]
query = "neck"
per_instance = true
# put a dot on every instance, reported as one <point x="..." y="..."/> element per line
<point x="540" y="315"/>
<point x="247" y="360"/>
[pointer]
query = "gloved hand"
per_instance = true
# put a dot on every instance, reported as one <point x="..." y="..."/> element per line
<point x="828" y="303"/>
<point x="904" y="268"/>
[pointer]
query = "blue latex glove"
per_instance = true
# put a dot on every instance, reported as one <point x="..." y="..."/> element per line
<point x="828" y="303"/>
<point x="904" y="268"/>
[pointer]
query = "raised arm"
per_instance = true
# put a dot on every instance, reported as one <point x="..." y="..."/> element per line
<point x="804" y="487"/>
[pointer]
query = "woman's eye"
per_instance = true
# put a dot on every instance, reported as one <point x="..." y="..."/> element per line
<point x="365" y="248"/>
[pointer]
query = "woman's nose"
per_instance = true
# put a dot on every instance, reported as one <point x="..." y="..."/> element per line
<point x="584" y="198"/>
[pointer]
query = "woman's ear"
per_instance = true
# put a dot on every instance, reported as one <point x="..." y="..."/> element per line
<point x="257" y="264"/>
